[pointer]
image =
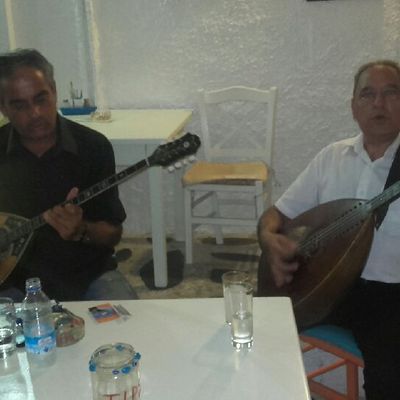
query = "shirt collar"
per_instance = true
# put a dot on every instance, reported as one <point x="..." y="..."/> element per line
<point x="391" y="150"/>
<point x="356" y="143"/>
<point x="65" y="138"/>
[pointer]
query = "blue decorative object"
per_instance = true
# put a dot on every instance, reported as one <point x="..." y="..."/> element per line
<point x="77" y="110"/>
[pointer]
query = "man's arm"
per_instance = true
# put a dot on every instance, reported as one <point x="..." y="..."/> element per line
<point x="278" y="249"/>
<point x="101" y="233"/>
<point x="68" y="221"/>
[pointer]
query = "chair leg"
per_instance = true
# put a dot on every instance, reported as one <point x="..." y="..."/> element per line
<point x="217" y="229"/>
<point x="259" y="199"/>
<point x="352" y="381"/>
<point x="188" y="226"/>
<point x="343" y="359"/>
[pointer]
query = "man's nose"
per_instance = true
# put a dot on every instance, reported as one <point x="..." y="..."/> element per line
<point x="35" y="110"/>
<point x="379" y="99"/>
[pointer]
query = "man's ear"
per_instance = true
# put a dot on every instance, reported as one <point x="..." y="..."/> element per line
<point x="53" y="87"/>
<point x="353" y="108"/>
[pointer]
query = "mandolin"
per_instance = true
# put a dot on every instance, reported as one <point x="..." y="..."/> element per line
<point x="334" y="240"/>
<point x="16" y="231"/>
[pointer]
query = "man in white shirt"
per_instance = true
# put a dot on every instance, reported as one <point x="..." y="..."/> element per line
<point x="354" y="168"/>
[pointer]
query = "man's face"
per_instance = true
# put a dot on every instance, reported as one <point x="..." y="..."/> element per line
<point x="376" y="103"/>
<point x="30" y="104"/>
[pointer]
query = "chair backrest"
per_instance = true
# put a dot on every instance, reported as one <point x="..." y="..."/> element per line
<point x="238" y="123"/>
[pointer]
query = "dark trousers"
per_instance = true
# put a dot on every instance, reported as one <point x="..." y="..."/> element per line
<point x="372" y="311"/>
<point x="112" y="285"/>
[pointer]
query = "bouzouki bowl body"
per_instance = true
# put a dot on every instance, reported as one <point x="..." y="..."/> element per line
<point x="324" y="278"/>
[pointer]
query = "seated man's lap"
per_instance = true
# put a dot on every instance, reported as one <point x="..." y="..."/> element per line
<point x="112" y="285"/>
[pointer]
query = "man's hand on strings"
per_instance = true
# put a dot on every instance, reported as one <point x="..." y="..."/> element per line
<point x="67" y="219"/>
<point x="280" y="252"/>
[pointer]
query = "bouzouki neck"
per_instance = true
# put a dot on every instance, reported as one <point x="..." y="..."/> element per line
<point x="349" y="220"/>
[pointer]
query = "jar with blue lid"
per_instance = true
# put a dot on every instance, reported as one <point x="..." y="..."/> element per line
<point x="114" y="370"/>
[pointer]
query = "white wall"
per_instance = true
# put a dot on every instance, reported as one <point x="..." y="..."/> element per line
<point x="3" y="29"/>
<point x="157" y="53"/>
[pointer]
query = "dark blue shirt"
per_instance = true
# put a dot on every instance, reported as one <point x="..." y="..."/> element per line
<point x="29" y="185"/>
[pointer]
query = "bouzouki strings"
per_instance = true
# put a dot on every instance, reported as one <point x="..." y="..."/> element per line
<point x="349" y="219"/>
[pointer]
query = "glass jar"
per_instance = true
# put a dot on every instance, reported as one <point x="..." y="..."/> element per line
<point x="114" y="372"/>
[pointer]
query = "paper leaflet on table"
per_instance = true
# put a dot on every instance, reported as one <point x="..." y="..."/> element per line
<point x="104" y="312"/>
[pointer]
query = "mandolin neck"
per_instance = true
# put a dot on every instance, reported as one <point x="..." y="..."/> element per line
<point x="31" y="225"/>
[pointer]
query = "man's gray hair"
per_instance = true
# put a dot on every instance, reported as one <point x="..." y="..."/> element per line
<point x="364" y="67"/>
<point x="10" y="62"/>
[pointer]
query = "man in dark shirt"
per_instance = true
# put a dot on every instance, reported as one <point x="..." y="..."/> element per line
<point x="46" y="159"/>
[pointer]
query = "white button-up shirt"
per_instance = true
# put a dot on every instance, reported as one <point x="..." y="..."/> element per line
<point x="343" y="170"/>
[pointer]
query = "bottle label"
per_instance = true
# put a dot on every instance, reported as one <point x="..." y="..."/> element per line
<point x="41" y="344"/>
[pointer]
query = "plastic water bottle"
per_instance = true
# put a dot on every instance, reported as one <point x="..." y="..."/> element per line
<point x="39" y="332"/>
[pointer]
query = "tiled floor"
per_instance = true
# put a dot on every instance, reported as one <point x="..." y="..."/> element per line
<point x="201" y="279"/>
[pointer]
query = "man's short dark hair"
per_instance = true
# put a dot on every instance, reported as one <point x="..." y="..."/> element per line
<point x="364" y="67"/>
<point x="10" y="62"/>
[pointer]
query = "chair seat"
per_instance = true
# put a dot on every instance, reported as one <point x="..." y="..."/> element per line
<point x="335" y="336"/>
<point x="209" y="172"/>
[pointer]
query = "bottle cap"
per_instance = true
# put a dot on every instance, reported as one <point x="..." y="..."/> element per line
<point x="33" y="284"/>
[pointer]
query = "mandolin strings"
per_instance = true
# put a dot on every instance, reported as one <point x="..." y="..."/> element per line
<point x="164" y="155"/>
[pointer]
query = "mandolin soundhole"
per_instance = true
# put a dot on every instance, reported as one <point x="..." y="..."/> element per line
<point x="9" y="246"/>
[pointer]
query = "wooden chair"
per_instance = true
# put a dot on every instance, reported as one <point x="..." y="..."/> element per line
<point x="340" y="343"/>
<point x="238" y="126"/>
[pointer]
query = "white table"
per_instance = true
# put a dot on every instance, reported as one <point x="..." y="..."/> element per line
<point x="134" y="135"/>
<point x="186" y="354"/>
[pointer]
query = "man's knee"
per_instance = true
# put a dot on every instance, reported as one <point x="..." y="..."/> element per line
<point x="112" y="285"/>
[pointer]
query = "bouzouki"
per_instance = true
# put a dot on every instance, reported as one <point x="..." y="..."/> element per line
<point x="16" y="231"/>
<point x="334" y="240"/>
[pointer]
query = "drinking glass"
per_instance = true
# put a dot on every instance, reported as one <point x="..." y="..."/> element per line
<point x="7" y="327"/>
<point x="228" y="279"/>
<point x="115" y="372"/>
<point x="241" y="299"/>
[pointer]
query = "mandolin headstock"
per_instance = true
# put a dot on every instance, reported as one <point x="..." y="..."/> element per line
<point x="168" y="153"/>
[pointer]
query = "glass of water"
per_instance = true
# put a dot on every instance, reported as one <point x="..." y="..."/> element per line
<point x="241" y="300"/>
<point x="7" y="327"/>
<point x="228" y="279"/>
